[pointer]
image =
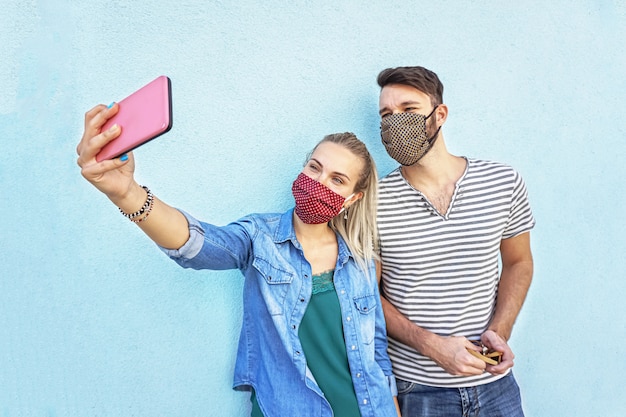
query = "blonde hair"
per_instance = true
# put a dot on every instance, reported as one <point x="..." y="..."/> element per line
<point x="358" y="225"/>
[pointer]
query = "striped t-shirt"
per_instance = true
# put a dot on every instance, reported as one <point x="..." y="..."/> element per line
<point x="442" y="271"/>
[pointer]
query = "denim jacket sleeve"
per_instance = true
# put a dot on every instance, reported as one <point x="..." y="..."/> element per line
<point x="230" y="245"/>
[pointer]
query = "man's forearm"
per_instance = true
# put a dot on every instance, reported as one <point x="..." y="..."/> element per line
<point x="512" y="290"/>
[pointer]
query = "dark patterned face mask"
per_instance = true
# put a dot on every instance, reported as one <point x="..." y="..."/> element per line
<point x="404" y="136"/>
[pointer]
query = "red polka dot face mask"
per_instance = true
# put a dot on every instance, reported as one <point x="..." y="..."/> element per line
<point x="315" y="203"/>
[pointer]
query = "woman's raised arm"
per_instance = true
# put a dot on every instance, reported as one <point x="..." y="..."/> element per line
<point x="115" y="178"/>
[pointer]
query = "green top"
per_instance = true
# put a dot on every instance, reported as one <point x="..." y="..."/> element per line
<point x="321" y="335"/>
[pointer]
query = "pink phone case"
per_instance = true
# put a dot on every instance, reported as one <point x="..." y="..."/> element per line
<point x="144" y="115"/>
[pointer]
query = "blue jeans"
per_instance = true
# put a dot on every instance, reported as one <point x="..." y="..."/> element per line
<point x="496" y="399"/>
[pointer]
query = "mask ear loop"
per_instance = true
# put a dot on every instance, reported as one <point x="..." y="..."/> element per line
<point x="431" y="140"/>
<point x="431" y="113"/>
<point x="344" y="209"/>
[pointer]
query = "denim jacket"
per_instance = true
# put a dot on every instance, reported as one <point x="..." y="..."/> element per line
<point x="277" y="289"/>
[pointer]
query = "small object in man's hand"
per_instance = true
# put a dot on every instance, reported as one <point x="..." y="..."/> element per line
<point x="491" y="357"/>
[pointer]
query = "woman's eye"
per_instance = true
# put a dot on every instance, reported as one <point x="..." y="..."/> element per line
<point x="338" y="180"/>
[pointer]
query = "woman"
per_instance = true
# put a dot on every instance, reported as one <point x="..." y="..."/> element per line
<point x="313" y="339"/>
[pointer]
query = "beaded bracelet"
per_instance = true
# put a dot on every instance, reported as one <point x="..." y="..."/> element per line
<point x="144" y="210"/>
<point x="144" y="217"/>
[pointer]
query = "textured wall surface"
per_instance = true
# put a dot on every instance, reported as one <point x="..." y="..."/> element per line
<point x="96" y="321"/>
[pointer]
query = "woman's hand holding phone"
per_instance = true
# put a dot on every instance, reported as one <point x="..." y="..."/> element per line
<point x="113" y="177"/>
<point x="111" y="132"/>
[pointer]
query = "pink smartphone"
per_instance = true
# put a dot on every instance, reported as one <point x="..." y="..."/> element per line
<point x="143" y="116"/>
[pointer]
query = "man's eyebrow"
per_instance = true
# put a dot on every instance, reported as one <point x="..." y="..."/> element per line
<point x="403" y="104"/>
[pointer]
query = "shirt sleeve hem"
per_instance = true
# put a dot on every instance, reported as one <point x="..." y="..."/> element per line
<point x="392" y="385"/>
<point x="192" y="247"/>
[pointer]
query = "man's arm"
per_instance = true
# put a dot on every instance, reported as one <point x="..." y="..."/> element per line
<point x="517" y="273"/>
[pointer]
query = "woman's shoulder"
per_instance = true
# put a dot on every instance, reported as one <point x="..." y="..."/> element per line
<point x="277" y="225"/>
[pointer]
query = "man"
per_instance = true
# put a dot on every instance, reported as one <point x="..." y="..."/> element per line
<point x="445" y="222"/>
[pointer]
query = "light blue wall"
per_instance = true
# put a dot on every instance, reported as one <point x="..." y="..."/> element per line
<point x="95" y="321"/>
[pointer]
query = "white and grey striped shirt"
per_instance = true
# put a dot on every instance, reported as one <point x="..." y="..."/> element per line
<point x="442" y="271"/>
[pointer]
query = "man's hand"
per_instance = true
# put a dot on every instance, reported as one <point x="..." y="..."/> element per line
<point x="495" y="342"/>
<point x="451" y="354"/>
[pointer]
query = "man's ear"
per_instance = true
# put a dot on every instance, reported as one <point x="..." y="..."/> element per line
<point x="441" y="114"/>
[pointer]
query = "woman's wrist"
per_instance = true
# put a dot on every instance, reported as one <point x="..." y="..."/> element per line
<point x="143" y="213"/>
<point x="133" y="201"/>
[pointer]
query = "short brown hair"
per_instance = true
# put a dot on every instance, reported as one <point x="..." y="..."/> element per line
<point x="421" y="78"/>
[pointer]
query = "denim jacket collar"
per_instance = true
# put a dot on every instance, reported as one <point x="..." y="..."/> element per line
<point x="286" y="231"/>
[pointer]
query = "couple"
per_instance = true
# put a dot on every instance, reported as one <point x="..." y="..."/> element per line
<point x="314" y="336"/>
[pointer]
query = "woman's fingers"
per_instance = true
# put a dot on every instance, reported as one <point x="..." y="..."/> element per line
<point x="89" y="147"/>
<point x="90" y="129"/>
<point x="94" y="120"/>
<point x="112" y="176"/>
<point x="93" y="172"/>
<point x="98" y="116"/>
